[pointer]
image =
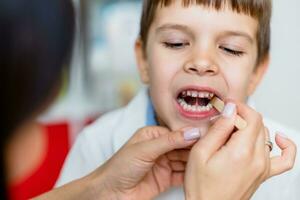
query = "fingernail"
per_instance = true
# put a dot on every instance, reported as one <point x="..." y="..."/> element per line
<point x="229" y="110"/>
<point x="282" y="135"/>
<point x="192" y="134"/>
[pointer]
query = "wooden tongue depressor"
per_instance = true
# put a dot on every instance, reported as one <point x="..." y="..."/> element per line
<point x="240" y="123"/>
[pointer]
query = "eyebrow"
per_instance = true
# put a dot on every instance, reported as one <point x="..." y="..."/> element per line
<point x="239" y="34"/>
<point x="174" y="26"/>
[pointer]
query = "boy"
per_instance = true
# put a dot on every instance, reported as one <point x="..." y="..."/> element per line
<point x="188" y="52"/>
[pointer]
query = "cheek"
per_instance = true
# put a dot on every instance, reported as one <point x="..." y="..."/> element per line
<point x="238" y="82"/>
<point x="162" y="71"/>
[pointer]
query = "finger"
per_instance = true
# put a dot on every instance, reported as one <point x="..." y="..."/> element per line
<point x="262" y="153"/>
<point x="285" y="162"/>
<point x="219" y="133"/>
<point x="165" y="142"/>
<point x="261" y="148"/>
<point x="148" y="133"/>
<point x="178" y="155"/>
<point x="254" y="122"/>
<point x="177" y="166"/>
<point x="268" y="149"/>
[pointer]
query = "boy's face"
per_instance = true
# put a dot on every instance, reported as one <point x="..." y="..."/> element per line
<point x="193" y="53"/>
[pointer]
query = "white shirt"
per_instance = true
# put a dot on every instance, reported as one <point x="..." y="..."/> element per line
<point x="99" y="141"/>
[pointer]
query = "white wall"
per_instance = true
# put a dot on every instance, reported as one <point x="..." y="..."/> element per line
<point x="279" y="94"/>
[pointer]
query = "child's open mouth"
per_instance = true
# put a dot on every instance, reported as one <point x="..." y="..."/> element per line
<point x="195" y="103"/>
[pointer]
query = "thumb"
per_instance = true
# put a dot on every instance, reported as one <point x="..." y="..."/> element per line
<point x="165" y="141"/>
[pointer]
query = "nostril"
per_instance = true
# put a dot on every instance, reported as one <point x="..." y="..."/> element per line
<point x="210" y="71"/>
<point x="194" y="69"/>
<point x="201" y="68"/>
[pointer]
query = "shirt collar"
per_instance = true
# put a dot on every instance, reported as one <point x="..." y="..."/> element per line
<point x="150" y="115"/>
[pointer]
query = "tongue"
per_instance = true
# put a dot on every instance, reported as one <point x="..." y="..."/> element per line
<point x="196" y="101"/>
<point x="191" y="100"/>
<point x="202" y="101"/>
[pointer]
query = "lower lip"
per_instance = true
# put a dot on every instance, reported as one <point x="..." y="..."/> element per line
<point x="196" y="115"/>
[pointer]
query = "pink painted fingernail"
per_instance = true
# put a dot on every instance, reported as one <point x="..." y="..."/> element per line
<point x="229" y="110"/>
<point x="192" y="134"/>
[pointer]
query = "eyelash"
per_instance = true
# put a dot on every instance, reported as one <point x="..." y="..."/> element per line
<point x="175" y="45"/>
<point x="232" y="52"/>
<point x="180" y="45"/>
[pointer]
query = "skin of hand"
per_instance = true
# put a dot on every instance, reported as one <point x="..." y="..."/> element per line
<point x="147" y="165"/>
<point x="231" y="164"/>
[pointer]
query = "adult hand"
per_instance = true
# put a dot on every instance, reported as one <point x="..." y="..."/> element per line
<point x="152" y="161"/>
<point x="145" y="166"/>
<point x="228" y="164"/>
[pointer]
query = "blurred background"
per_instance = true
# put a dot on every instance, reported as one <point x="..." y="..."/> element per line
<point x="103" y="74"/>
<point x="277" y="96"/>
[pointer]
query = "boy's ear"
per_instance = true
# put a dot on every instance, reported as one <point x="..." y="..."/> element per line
<point x="141" y="61"/>
<point x="258" y="74"/>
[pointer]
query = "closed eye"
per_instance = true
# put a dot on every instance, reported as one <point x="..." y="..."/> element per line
<point x="175" y="45"/>
<point x="232" y="52"/>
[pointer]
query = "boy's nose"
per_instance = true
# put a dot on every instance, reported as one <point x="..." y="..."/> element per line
<point x="204" y="67"/>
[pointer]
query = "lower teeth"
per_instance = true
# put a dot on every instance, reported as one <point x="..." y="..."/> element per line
<point x="194" y="108"/>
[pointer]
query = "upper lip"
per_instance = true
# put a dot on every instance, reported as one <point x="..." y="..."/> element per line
<point x="200" y="89"/>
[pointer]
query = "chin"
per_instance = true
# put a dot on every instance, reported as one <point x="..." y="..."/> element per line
<point x="176" y="125"/>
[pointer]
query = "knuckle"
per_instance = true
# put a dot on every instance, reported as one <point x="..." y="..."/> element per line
<point x="143" y="131"/>
<point x="155" y="132"/>
<point x="289" y="164"/>
<point x="243" y="154"/>
<point x="171" y="139"/>
<point x="258" y="118"/>
<point x="238" y="157"/>
<point x="140" y="134"/>
<point x="150" y="132"/>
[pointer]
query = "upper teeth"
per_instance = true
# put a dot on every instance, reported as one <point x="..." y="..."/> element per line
<point x="201" y="94"/>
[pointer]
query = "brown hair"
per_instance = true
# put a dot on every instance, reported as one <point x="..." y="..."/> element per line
<point x="258" y="9"/>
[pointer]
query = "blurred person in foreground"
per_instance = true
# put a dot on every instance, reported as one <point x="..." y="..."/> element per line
<point x="37" y="38"/>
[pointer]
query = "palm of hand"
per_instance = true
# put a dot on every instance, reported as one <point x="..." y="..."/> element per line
<point x="158" y="179"/>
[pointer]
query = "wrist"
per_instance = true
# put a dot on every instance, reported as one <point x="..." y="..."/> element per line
<point x="102" y="184"/>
